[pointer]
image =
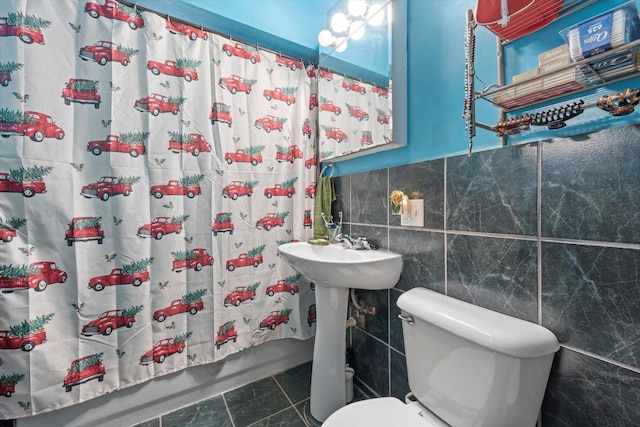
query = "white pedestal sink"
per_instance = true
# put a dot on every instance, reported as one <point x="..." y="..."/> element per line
<point x="334" y="269"/>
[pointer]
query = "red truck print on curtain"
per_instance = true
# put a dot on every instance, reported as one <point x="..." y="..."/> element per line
<point x="269" y="123"/>
<point x="358" y="113"/>
<point x="287" y="188"/>
<point x="156" y="104"/>
<point x="240" y="294"/>
<point x="311" y="315"/>
<point x="334" y="133"/>
<point x="26" y="335"/>
<point x="195" y="258"/>
<point x="288" y="154"/>
<point x="313" y="161"/>
<point x="239" y="188"/>
<point x="27" y="181"/>
<point x="252" y="257"/>
<point x="288" y="285"/>
<point x="306" y="128"/>
<point x="250" y="154"/>
<point x="164" y="348"/>
<point x="193" y="143"/>
<point x="310" y="191"/>
<point x="222" y="223"/>
<point x="6" y="68"/>
<point x="271" y="220"/>
<point x="181" y="67"/>
<point x="162" y="225"/>
<point x="325" y="74"/>
<point x="81" y="91"/>
<point x="190" y="303"/>
<point x="221" y="112"/>
<point x="8" y="383"/>
<point x="383" y="117"/>
<point x="130" y="142"/>
<point x="381" y="91"/>
<point x="291" y="63"/>
<point x="27" y="28"/>
<point x="7" y="234"/>
<point x="108" y="186"/>
<point x="111" y="320"/>
<point x="313" y="101"/>
<point x="242" y="50"/>
<point x="84" y="229"/>
<point x="286" y="94"/>
<point x="235" y="83"/>
<point x="37" y="276"/>
<point x="104" y="52"/>
<point x="36" y="126"/>
<point x="114" y="10"/>
<point x="176" y="187"/>
<point x="193" y="33"/>
<point x="226" y="332"/>
<point x="85" y="369"/>
<point x="134" y="273"/>
<point x="275" y="318"/>
<point x="25" y="343"/>
<point x="354" y="85"/>
<point x="329" y="106"/>
<point x="307" y="221"/>
<point x="367" y="138"/>
<point x="8" y="228"/>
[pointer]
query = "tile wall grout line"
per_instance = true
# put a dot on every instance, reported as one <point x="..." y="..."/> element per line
<point x="539" y="227"/>
<point x="370" y="335"/>
<point x="388" y="338"/>
<point x="371" y="391"/>
<point x="293" y="405"/>
<point x="224" y="399"/>
<point x="271" y="415"/>
<point x="601" y="358"/>
<point x="597" y="243"/>
<point x="444" y="227"/>
<point x="397" y="351"/>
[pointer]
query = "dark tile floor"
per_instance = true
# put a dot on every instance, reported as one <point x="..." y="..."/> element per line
<point x="280" y="400"/>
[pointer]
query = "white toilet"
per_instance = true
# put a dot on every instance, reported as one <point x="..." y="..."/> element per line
<point x="467" y="367"/>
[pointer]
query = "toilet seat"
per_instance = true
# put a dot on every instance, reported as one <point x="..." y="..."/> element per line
<point x="380" y="412"/>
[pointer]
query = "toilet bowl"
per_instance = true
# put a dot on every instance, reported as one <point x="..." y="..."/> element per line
<point x="466" y="366"/>
<point x="383" y="412"/>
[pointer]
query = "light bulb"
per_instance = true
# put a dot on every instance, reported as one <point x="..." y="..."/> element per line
<point x="339" y="22"/>
<point x="357" y="7"/>
<point x="375" y="15"/>
<point x="341" y="44"/>
<point x="356" y="31"/>
<point x="325" y="38"/>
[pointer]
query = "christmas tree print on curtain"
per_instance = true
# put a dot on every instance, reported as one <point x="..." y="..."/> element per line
<point x="156" y="182"/>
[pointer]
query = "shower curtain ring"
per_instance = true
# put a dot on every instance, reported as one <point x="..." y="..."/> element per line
<point x="327" y="166"/>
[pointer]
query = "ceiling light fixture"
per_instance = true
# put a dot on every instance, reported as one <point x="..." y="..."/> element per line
<point x="352" y="25"/>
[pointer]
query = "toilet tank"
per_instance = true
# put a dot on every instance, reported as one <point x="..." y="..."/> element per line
<point x="472" y="366"/>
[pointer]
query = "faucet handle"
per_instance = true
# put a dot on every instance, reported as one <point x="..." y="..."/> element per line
<point x="369" y="243"/>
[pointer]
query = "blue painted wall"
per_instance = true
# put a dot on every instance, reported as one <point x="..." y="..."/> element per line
<point x="436" y="78"/>
<point x="435" y="50"/>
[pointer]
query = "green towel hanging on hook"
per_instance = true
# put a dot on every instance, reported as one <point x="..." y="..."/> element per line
<point x="325" y="195"/>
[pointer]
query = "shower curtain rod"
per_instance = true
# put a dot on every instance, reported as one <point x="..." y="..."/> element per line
<point x="182" y="21"/>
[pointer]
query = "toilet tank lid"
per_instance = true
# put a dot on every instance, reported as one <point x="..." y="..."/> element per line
<point x="487" y="328"/>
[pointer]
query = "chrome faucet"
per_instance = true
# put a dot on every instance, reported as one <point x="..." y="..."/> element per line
<point x="358" y="243"/>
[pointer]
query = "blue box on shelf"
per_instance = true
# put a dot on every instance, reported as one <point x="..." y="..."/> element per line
<point x="603" y="32"/>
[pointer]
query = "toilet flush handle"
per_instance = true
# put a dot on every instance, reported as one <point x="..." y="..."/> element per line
<point x="408" y="319"/>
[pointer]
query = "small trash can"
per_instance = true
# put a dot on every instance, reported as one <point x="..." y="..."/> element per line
<point x="349" y="373"/>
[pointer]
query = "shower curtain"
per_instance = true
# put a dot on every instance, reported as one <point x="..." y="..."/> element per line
<point x="149" y="170"/>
